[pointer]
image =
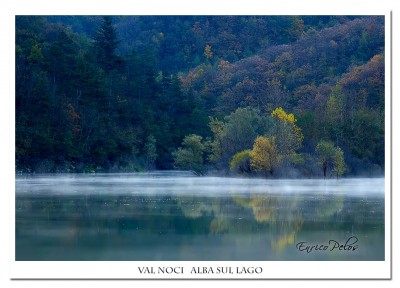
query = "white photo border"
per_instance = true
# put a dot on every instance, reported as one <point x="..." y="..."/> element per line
<point x="129" y="269"/>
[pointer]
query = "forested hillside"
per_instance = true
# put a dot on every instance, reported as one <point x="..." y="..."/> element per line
<point x="277" y="96"/>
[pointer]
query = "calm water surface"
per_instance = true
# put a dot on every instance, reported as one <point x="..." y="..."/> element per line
<point x="175" y="216"/>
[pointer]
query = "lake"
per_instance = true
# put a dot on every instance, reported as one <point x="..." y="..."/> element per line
<point x="177" y="216"/>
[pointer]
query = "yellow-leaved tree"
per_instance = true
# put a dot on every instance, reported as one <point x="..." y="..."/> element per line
<point x="264" y="156"/>
<point x="207" y="52"/>
<point x="289" y="137"/>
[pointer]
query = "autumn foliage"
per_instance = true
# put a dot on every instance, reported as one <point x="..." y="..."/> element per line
<point x="197" y="92"/>
<point x="264" y="157"/>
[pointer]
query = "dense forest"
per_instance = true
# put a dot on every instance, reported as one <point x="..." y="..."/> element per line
<point x="276" y="96"/>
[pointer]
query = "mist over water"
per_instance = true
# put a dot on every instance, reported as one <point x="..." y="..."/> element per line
<point x="177" y="216"/>
<point x="184" y="183"/>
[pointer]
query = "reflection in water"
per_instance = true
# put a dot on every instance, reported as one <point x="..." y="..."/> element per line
<point x="169" y="217"/>
<point x="280" y="212"/>
<point x="264" y="207"/>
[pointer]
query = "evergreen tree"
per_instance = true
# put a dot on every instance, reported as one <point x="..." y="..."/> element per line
<point x="105" y="44"/>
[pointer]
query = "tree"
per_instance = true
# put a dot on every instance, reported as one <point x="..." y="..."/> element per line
<point x="236" y="134"/>
<point x="325" y="151"/>
<point x="335" y="112"/>
<point x="339" y="167"/>
<point x="216" y="127"/>
<point x="241" y="162"/>
<point x="330" y="157"/>
<point x="150" y="152"/>
<point x="289" y="137"/>
<point x="297" y="28"/>
<point x="105" y="43"/>
<point x="366" y="135"/>
<point x="207" y="52"/>
<point x="190" y="156"/>
<point x="264" y="157"/>
<point x="240" y="130"/>
<point x="36" y="56"/>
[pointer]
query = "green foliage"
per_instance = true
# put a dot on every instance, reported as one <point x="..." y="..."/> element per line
<point x="241" y="162"/>
<point x="88" y="96"/>
<point x="339" y="167"/>
<point x="325" y="151"/>
<point x="330" y="157"/>
<point x="105" y="43"/>
<point x="240" y="130"/>
<point x="77" y="106"/>
<point x="289" y="137"/>
<point x="297" y="28"/>
<point x="190" y="155"/>
<point x="36" y="56"/>
<point x="366" y="135"/>
<point x="215" y="148"/>
<point x="335" y="113"/>
<point x="150" y="152"/>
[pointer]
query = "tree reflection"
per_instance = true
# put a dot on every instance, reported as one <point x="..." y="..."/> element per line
<point x="280" y="212"/>
<point x="263" y="206"/>
<point x="220" y="225"/>
<point x="327" y="206"/>
<point x="284" y="214"/>
<point x="273" y="222"/>
<point x="195" y="207"/>
<point x="288" y="238"/>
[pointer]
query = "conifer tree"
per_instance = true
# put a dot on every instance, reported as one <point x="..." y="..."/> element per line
<point x="105" y="43"/>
